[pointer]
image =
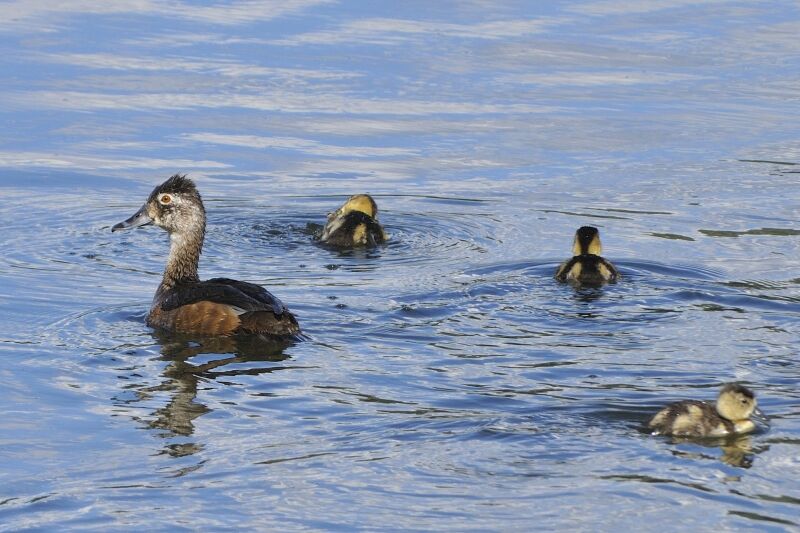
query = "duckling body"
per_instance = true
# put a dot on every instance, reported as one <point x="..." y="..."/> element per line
<point x="692" y="418"/>
<point x="182" y="302"/>
<point x="355" y="223"/>
<point x="587" y="267"/>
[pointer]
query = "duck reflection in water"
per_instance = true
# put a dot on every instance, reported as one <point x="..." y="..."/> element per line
<point x="242" y="355"/>
<point x="737" y="450"/>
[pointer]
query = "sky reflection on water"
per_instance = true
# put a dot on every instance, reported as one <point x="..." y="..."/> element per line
<point x="446" y="382"/>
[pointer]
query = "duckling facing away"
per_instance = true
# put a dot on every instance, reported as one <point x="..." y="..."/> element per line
<point x="183" y="303"/>
<point x="354" y="224"/>
<point x="586" y="266"/>
<point x="691" y="418"/>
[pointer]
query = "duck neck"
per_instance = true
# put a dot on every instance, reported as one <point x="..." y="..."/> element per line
<point x="184" y="255"/>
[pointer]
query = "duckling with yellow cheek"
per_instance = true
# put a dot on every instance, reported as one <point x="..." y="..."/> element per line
<point x="692" y="418"/>
<point x="183" y="303"/>
<point x="586" y="266"/>
<point x="354" y="224"/>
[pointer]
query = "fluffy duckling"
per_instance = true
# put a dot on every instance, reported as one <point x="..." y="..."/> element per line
<point x="183" y="303"/>
<point x="692" y="418"/>
<point x="354" y="224"/>
<point x="586" y="266"/>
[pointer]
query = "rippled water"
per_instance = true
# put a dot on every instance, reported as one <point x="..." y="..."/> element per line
<point x="445" y="381"/>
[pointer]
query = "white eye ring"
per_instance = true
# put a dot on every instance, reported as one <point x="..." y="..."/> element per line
<point x="165" y="199"/>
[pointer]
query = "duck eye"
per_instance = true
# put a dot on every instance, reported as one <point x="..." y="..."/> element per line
<point x="165" y="199"/>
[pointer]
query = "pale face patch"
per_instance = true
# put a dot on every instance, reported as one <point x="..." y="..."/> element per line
<point x="595" y="248"/>
<point x="360" y="234"/>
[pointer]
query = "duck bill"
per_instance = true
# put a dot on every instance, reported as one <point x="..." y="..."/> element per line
<point x="759" y="416"/>
<point x="140" y="218"/>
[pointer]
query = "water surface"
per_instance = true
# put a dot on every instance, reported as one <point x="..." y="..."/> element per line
<point x="445" y="381"/>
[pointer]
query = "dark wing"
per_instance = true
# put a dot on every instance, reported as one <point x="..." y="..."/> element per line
<point x="246" y="296"/>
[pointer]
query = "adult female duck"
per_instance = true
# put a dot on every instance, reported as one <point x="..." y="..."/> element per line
<point x="183" y="303"/>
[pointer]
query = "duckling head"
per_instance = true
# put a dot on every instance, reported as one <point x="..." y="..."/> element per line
<point x="175" y="206"/>
<point x="587" y="241"/>
<point x="358" y="202"/>
<point x="736" y="403"/>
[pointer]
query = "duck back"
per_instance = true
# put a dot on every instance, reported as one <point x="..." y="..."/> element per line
<point x="356" y="229"/>
<point x="587" y="269"/>
<point x="690" y="418"/>
<point x="221" y="306"/>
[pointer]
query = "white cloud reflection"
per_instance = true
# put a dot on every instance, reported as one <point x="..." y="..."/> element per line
<point x="292" y="143"/>
<point x="625" y="7"/>
<point x="284" y="101"/>
<point x="64" y="160"/>
<point x="599" y="78"/>
<point x="388" y="31"/>
<point x="45" y="15"/>
<point x="222" y="67"/>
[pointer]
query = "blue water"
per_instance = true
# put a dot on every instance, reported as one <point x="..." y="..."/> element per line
<point x="445" y="381"/>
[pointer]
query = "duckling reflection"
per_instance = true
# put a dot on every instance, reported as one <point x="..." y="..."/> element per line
<point x="355" y="223"/>
<point x="737" y="450"/>
<point x="587" y="267"/>
<point x="181" y="377"/>
<point x="219" y="306"/>
<point x="730" y="415"/>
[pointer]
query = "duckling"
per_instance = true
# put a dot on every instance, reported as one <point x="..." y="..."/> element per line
<point x="586" y="266"/>
<point x="692" y="418"/>
<point x="183" y="303"/>
<point x="354" y="224"/>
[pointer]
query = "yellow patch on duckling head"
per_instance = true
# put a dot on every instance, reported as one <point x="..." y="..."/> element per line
<point x="736" y="403"/>
<point x="587" y="241"/>
<point x="362" y="203"/>
<point x="360" y="234"/>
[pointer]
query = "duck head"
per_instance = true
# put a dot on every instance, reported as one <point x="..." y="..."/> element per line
<point x="358" y="202"/>
<point x="175" y="206"/>
<point x="736" y="403"/>
<point x="587" y="241"/>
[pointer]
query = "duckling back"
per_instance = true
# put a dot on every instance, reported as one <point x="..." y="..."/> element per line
<point x="587" y="270"/>
<point x="690" y="418"/>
